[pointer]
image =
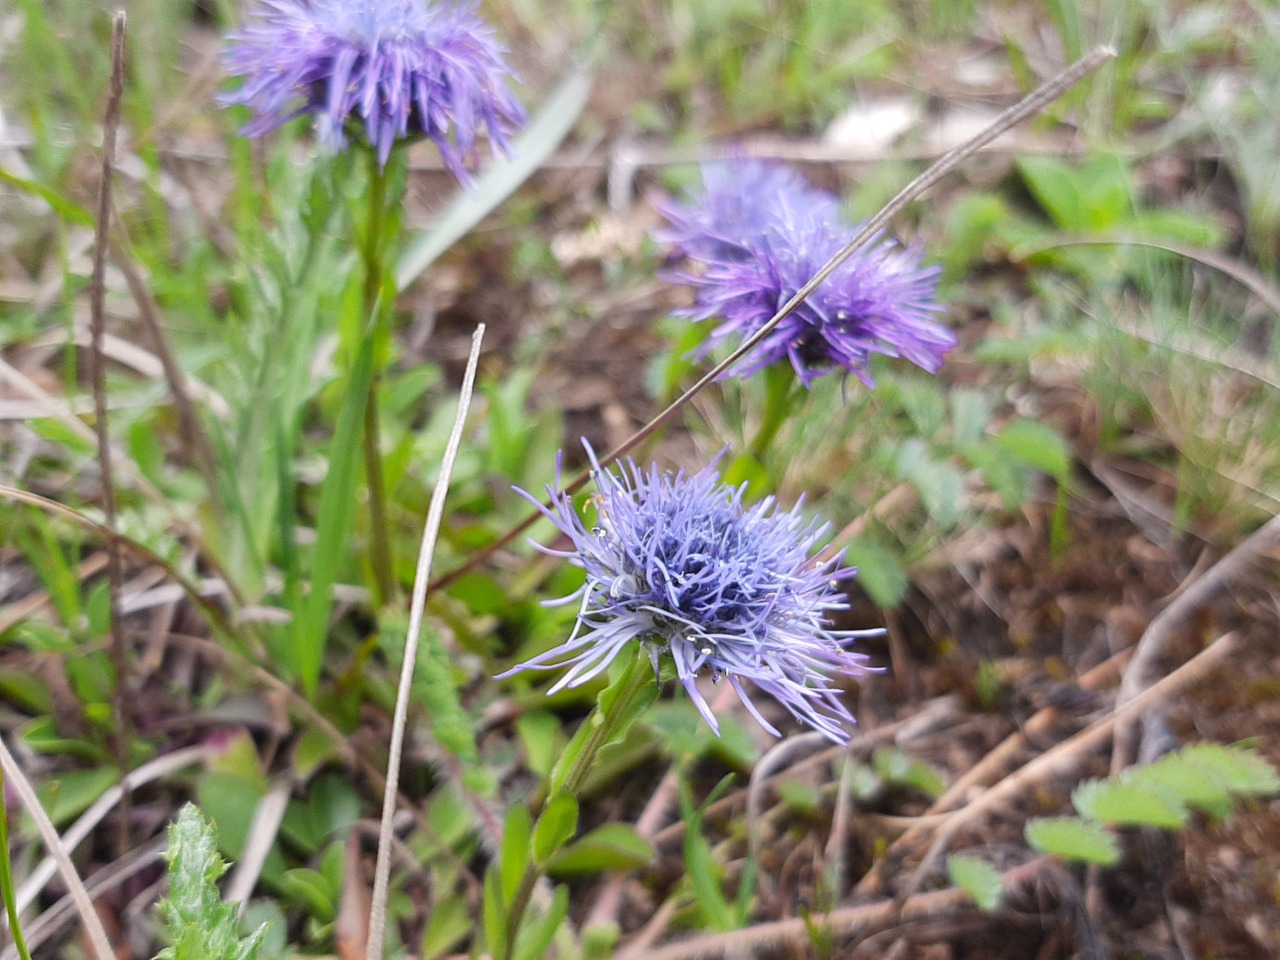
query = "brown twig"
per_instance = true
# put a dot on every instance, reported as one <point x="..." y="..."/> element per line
<point x="98" y="325"/>
<point x="986" y="770"/>
<point x="932" y="715"/>
<point x="845" y="922"/>
<point x="1068" y="755"/>
<point x="1151" y="645"/>
<point x="1028" y="107"/>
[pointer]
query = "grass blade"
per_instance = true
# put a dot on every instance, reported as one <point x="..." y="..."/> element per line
<point x="333" y="529"/>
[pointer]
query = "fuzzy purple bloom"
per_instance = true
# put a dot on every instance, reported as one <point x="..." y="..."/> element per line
<point x="400" y="67"/>
<point x="681" y="564"/>
<point x="757" y="233"/>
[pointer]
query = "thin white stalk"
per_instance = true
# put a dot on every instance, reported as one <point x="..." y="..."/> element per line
<point x="49" y="833"/>
<point x="435" y="514"/>
<point x="262" y="836"/>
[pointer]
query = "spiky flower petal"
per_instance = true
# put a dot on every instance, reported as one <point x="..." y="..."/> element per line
<point x="683" y="565"/>
<point x="757" y="233"/>
<point x="399" y="68"/>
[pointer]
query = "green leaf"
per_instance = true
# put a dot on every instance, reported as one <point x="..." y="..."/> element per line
<point x="1185" y="783"/>
<point x="977" y="878"/>
<point x="449" y="922"/>
<point x="1053" y="183"/>
<point x="701" y="869"/>
<point x="1073" y="839"/>
<point x="536" y="935"/>
<point x="613" y="846"/>
<point x="1037" y="445"/>
<point x="539" y="731"/>
<point x="1006" y="475"/>
<point x="941" y="488"/>
<point x="880" y="570"/>
<point x="336" y="516"/>
<point x="901" y="769"/>
<point x="516" y="832"/>
<point x="1127" y="804"/>
<point x="636" y="702"/>
<point x="311" y="891"/>
<point x="540" y="137"/>
<point x="970" y="414"/>
<point x="555" y="827"/>
<point x="745" y="468"/>
<point x="67" y="795"/>
<point x="330" y="809"/>
<point x="69" y="210"/>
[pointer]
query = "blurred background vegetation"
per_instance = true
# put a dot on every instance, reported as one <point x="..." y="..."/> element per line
<point x="1110" y="416"/>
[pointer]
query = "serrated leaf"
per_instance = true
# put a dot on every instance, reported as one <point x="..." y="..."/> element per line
<point x="200" y="925"/>
<point x="1128" y="804"/>
<point x="1186" y="783"/>
<point x="977" y="878"/>
<point x="1241" y="771"/>
<point x="613" y="846"/>
<point x="1037" y="445"/>
<point x="1073" y="839"/>
<point x="555" y="826"/>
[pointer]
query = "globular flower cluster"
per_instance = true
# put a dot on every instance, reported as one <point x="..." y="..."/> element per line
<point x="757" y="233"/>
<point x="400" y="68"/>
<point x="681" y="564"/>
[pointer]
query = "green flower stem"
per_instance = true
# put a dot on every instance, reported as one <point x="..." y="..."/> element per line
<point x="373" y="256"/>
<point x="782" y="388"/>
<point x="605" y="725"/>
<point x="6" y="881"/>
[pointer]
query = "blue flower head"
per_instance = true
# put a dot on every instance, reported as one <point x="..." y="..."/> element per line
<point x="757" y="233"/>
<point x="681" y="564"/>
<point x="399" y="68"/>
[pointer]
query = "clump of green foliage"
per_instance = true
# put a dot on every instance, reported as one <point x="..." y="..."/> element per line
<point x="1207" y="778"/>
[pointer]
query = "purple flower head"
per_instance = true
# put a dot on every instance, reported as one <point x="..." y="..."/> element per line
<point x="681" y="564"/>
<point x="758" y="233"/>
<point x="400" y="67"/>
